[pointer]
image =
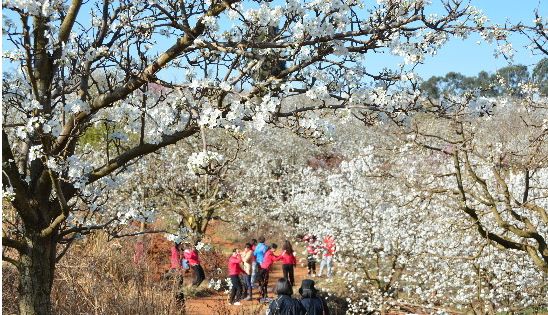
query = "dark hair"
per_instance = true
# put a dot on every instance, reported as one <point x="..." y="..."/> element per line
<point x="283" y="287"/>
<point x="234" y="250"/>
<point x="247" y="245"/>
<point x="261" y="239"/>
<point x="287" y="247"/>
<point x="307" y="289"/>
<point x="274" y="246"/>
<point x="253" y="241"/>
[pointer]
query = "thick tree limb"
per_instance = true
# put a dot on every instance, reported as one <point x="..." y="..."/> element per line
<point x="17" y="245"/>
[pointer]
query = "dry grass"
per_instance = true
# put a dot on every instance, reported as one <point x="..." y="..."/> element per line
<point x="99" y="277"/>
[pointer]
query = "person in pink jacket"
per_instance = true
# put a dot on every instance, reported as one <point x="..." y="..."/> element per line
<point x="234" y="272"/>
<point x="191" y="255"/>
<point x="289" y="262"/>
<point x="175" y="257"/>
<point x="264" y="272"/>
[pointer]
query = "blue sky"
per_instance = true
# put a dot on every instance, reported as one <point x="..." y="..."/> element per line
<point x="467" y="57"/>
<point x="464" y="56"/>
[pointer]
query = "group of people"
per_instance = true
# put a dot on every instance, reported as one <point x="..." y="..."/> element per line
<point x="250" y="268"/>
<point x="323" y="250"/>
<point x="253" y="264"/>
<point x="309" y="304"/>
<point x="256" y="261"/>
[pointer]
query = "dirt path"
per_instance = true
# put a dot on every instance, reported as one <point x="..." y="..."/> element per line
<point x="218" y="303"/>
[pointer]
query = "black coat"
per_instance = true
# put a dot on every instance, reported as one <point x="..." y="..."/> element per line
<point x="315" y="306"/>
<point x="286" y="305"/>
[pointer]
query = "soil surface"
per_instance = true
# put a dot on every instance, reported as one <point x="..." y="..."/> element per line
<point x="217" y="303"/>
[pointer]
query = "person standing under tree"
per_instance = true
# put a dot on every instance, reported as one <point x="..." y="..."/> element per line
<point x="289" y="262"/>
<point x="328" y="250"/>
<point x="311" y="252"/>
<point x="264" y="272"/>
<point x="191" y="255"/>
<point x="234" y="271"/>
<point x="254" y="266"/>
<point x="258" y="253"/>
<point x="247" y="258"/>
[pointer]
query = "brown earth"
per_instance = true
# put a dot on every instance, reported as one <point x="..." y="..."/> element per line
<point x="217" y="303"/>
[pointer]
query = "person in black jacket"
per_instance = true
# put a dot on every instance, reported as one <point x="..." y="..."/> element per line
<point x="313" y="304"/>
<point x="284" y="304"/>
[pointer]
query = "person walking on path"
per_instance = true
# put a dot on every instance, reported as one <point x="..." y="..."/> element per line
<point x="328" y="250"/>
<point x="313" y="304"/>
<point x="234" y="272"/>
<point x="247" y="259"/>
<point x="268" y="261"/>
<point x="289" y="262"/>
<point x="311" y="252"/>
<point x="191" y="255"/>
<point x="284" y="304"/>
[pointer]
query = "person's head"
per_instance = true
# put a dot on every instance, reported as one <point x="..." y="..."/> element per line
<point x="261" y="239"/>
<point x="274" y="246"/>
<point x="287" y="246"/>
<point x="247" y="245"/>
<point x="188" y="246"/>
<point x="307" y="289"/>
<point x="254" y="241"/>
<point x="283" y="287"/>
<point x="235" y="251"/>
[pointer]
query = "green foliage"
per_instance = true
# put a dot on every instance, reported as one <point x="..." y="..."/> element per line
<point x="506" y="81"/>
<point x="94" y="136"/>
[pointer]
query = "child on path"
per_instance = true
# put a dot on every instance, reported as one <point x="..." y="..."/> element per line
<point x="234" y="271"/>
<point x="289" y="262"/>
<point x="311" y="252"/>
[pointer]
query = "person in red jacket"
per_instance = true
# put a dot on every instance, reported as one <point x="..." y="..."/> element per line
<point x="234" y="272"/>
<point x="191" y="255"/>
<point x="175" y="258"/>
<point x="264" y="272"/>
<point x="328" y="250"/>
<point x="289" y="262"/>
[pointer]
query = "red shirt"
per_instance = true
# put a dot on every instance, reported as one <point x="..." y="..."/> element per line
<point x="311" y="248"/>
<point x="192" y="257"/>
<point x="329" y="246"/>
<point x="288" y="258"/>
<point x="175" y="258"/>
<point x="234" y="267"/>
<point x="269" y="259"/>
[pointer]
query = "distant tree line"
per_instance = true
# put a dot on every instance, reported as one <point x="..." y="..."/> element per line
<point x="506" y="81"/>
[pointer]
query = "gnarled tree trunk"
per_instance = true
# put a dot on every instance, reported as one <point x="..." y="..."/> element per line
<point x="36" y="270"/>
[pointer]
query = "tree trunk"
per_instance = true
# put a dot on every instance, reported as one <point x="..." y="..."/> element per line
<point x="37" y="266"/>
